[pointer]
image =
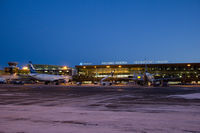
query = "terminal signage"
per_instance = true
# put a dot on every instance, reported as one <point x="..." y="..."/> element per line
<point x="150" y="62"/>
<point x="85" y="63"/>
<point x="112" y="63"/>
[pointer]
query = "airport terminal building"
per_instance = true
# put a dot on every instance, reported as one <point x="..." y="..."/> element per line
<point x="49" y="69"/>
<point x="40" y="68"/>
<point x="182" y="72"/>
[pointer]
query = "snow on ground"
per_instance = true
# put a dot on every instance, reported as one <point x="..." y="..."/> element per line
<point x="187" y="96"/>
<point x="41" y="119"/>
<point x="98" y="110"/>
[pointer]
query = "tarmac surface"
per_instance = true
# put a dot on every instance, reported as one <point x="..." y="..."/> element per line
<point x="98" y="109"/>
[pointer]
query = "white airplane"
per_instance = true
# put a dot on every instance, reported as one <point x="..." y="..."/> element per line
<point x="2" y="80"/>
<point x="8" y="78"/>
<point x="102" y="82"/>
<point x="148" y="78"/>
<point x="47" y="78"/>
<point x="143" y="77"/>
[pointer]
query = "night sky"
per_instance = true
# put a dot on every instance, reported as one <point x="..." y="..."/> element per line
<point x="67" y="32"/>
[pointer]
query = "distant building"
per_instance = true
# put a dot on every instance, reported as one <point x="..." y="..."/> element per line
<point x="49" y="69"/>
<point x="1" y="72"/>
<point x="12" y="68"/>
<point x="185" y="72"/>
<point x="53" y="69"/>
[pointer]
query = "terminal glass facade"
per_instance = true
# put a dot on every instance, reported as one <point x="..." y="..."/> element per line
<point x="185" y="72"/>
<point x="49" y="69"/>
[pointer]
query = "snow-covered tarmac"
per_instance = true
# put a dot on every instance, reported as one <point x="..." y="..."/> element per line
<point x="187" y="96"/>
<point x="97" y="110"/>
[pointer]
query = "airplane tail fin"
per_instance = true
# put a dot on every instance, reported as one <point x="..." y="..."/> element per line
<point x="32" y="69"/>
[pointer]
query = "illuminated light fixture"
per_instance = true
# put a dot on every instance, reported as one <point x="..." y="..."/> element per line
<point x="120" y="66"/>
<point x="139" y="77"/>
<point x="25" y="68"/>
<point x="188" y="65"/>
<point x="64" y="68"/>
<point x="107" y="66"/>
<point x="84" y="67"/>
<point x="95" y="66"/>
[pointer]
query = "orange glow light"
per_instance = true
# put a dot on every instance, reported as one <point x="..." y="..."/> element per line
<point x="25" y="68"/>
<point x="64" y="68"/>
<point x="107" y="66"/>
<point x="188" y="65"/>
<point x="120" y="66"/>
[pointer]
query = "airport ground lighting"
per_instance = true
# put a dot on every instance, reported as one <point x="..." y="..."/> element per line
<point x="107" y="66"/>
<point x="65" y="68"/>
<point x="25" y="68"/>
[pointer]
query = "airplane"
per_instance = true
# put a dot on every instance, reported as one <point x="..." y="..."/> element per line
<point x="13" y="78"/>
<point x="2" y="80"/>
<point x="149" y="79"/>
<point x="102" y="82"/>
<point x="47" y="78"/>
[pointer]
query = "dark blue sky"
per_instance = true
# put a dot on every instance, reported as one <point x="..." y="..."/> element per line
<point x="69" y="32"/>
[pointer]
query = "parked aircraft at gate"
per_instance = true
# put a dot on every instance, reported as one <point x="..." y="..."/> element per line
<point x="47" y="78"/>
<point x="148" y="78"/>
